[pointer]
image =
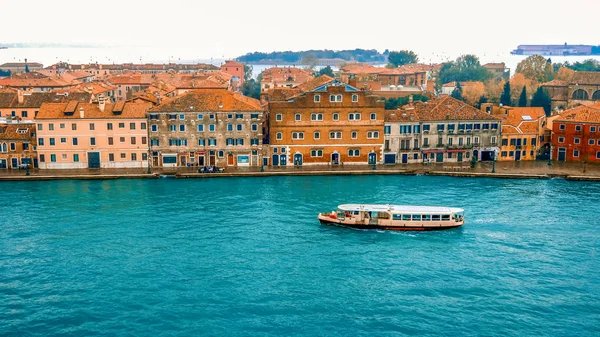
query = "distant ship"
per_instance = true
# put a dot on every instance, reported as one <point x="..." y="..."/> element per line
<point x="556" y="49"/>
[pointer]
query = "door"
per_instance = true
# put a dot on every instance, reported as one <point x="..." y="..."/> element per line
<point x="94" y="160"/>
<point x="275" y="160"/>
<point x="405" y="158"/>
<point x="155" y="161"/>
<point x="265" y="161"/>
<point x="372" y="158"/>
<point x="389" y="158"/>
<point x="212" y="159"/>
<point x="183" y="160"/>
<point x="201" y="161"/>
<point x="335" y="158"/>
<point x="459" y="157"/>
<point x="476" y="154"/>
<point x="439" y="157"/>
<point x="14" y="162"/>
<point x="298" y="159"/>
<point x="562" y="154"/>
<point x="230" y="159"/>
<point x="3" y="163"/>
<point x="517" y="155"/>
<point x="283" y="160"/>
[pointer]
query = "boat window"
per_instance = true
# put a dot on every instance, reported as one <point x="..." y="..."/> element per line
<point x="435" y="217"/>
<point x="406" y="217"/>
<point x="446" y="217"/>
<point x="355" y="212"/>
<point x="397" y="216"/>
<point x="416" y="217"/>
<point x="426" y="217"/>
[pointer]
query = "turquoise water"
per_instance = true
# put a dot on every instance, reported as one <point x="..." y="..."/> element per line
<point x="246" y="256"/>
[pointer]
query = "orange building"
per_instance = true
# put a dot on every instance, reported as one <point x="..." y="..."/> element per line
<point x="522" y="132"/>
<point x="235" y="69"/>
<point x="17" y="145"/>
<point x="331" y="124"/>
<point x="576" y="135"/>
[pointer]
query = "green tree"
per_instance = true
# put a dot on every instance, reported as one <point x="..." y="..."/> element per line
<point x="466" y="68"/>
<point x="542" y="99"/>
<point x="326" y="71"/>
<point x="482" y="100"/>
<point x="310" y="61"/>
<point x="457" y="92"/>
<point x="398" y="58"/>
<point x="505" y="97"/>
<point x="523" y="97"/>
<point x="247" y="72"/>
<point x="251" y="88"/>
<point x="393" y="103"/>
<point x="535" y="67"/>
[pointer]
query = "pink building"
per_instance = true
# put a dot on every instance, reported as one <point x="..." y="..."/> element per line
<point x="85" y="135"/>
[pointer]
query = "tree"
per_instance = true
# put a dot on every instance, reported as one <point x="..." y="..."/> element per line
<point x="398" y="58"/>
<point x="505" y="97"/>
<point x="542" y="99"/>
<point x="251" y="88"/>
<point x="465" y="68"/>
<point x="472" y="92"/>
<point x="517" y="82"/>
<point x="467" y="61"/>
<point x="310" y="61"/>
<point x="523" y="97"/>
<point x="326" y="71"/>
<point x="247" y="72"/>
<point x="481" y="101"/>
<point x="457" y="92"/>
<point x="493" y="89"/>
<point x="535" y="67"/>
<point x="393" y="103"/>
<point x="565" y="74"/>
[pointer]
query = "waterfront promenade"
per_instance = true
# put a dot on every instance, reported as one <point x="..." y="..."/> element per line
<point x="534" y="169"/>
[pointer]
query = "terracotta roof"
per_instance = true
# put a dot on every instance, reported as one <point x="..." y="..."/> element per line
<point x="231" y="63"/>
<point x="124" y="110"/>
<point x="499" y="65"/>
<point x="15" y="131"/>
<point x="582" y="113"/>
<point x="449" y="108"/>
<point x="314" y="83"/>
<point x="208" y="100"/>
<point x="404" y="115"/>
<point x="20" y="64"/>
<point x="515" y="122"/>
<point x="28" y="82"/>
<point x="285" y="74"/>
<point x="10" y="98"/>
<point x="556" y="83"/>
<point x="286" y="93"/>
<point x="586" y="77"/>
<point x="360" y="68"/>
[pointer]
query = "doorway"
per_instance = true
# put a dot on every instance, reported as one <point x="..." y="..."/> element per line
<point x="94" y="160"/>
<point x="562" y="154"/>
<point x="335" y="158"/>
<point x="405" y="158"/>
<point x="372" y="158"/>
<point x="297" y="159"/>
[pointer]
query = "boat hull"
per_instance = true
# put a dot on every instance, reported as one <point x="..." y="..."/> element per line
<point x="335" y="222"/>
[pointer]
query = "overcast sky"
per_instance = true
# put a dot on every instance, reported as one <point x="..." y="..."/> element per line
<point x="232" y="28"/>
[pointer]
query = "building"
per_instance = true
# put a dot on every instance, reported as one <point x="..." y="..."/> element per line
<point x="235" y="69"/>
<point x="206" y="127"/>
<point x="17" y="144"/>
<point x="331" y="124"/>
<point x="402" y="134"/>
<point x="21" y="67"/>
<point x="101" y="70"/>
<point x="553" y="49"/>
<point x="85" y="135"/>
<point x="522" y="133"/>
<point x="576" y="135"/>
<point x="284" y="77"/>
<point x="583" y="88"/>
<point x="19" y="105"/>
<point x="37" y="84"/>
<point x="498" y="70"/>
<point x="449" y="130"/>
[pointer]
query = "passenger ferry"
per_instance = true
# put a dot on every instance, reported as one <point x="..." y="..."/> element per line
<point x="394" y="217"/>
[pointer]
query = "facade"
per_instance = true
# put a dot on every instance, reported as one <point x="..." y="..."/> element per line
<point x="20" y="67"/>
<point x="498" y="70"/>
<point x="284" y="77"/>
<point x="402" y="132"/>
<point x="583" y="88"/>
<point x="522" y="133"/>
<point x="332" y="124"/>
<point x="235" y="69"/>
<point x="576" y="135"/>
<point x="206" y="128"/>
<point x="85" y="135"/>
<point x="21" y="105"/>
<point x="17" y="145"/>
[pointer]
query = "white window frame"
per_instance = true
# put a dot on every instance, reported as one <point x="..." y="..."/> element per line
<point x="354" y="134"/>
<point x="298" y="117"/>
<point x="279" y="136"/>
<point x="335" y="116"/>
<point x="317" y="135"/>
<point x="297" y="135"/>
<point x="317" y="99"/>
<point x="561" y="139"/>
<point x="354" y="98"/>
<point x="278" y="117"/>
<point x="373" y="116"/>
<point x="336" y="134"/>
<point x="372" y="134"/>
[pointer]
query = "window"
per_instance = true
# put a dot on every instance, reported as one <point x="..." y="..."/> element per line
<point x="122" y="139"/>
<point x="134" y="156"/>
<point x="494" y="126"/>
<point x="39" y="126"/>
<point x="598" y="155"/>
<point x="240" y="127"/>
<point x="92" y="141"/>
<point x="52" y="142"/>
<point x="133" y="141"/>
<point x="254" y="116"/>
<point x="297" y="117"/>
<point x="449" y="155"/>
<point x="144" y="156"/>
<point x="181" y="127"/>
<point x="63" y="140"/>
<point x="200" y="116"/>
<point x="278" y="117"/>
<point x="212" y="142"/>
<point x="440" y="127"/>
<point x="53" y="158"/>
<point x="73" y="126"/>
<point x="317" y="98"/>
<point x="92" y="126"/>
<point x="561" y="139"/>
<point x="426" y="128"/>
<point x="254" y="127"/>
<point x="171" y="117"/>
<point x="317" y="135"/>
<point x="229" y="127"/>
<point x="592" y="129"/>
<point x="153" y="116"/>
<point x="297" y="135"/>
<point x="239" y="116"/>
<point x="387" y="129"/>
<point x="211" y="127"/>
<point x="475" y="140"/>
<point x="533" y="141"/>
<point x="353" y="116"/>
<point x="74" y="141"/>
<point x="75" y="157"/>
<point x="121" y="125"/>
<point x="353" y="153"/>
<point x="221" y="154"/>
<point x="123" y="156"/>
<point x="577" y="140"/>
<point x="110" y="141"/>
<point x="51" y="126"/>
<point x="513" y="142"/>
<point x="154" y="128"/>
<point x="13" y="146"/>
<point x="372" y="134"/>
<point x="181" y="116"/>
<point x="485" y="126"/>
<point x="575" y="153"/>
<point x="200" y="127"/>
<point x="211" y="116"/>
<point x="577" y="127"/>
<point x="505" y="141"/>
<point x="493" y="139"/>
<point x="109" y="126"/>
<point x="562" y="127"/>
<point x="591" y="142"/>
<point x="354" y="135"/>
<point x="373" y="116"/>
<point x="143" y="126"/>
<point x="316" y="153"/>
<point x="335" y="116"/>
<point x="405" y="129"/>
<point x="279" y="136"/>
<point x="111" y="157"/>
<point x="316" y="117"/>
<point x="354" y="98"/>
<point x="61" y="125"/>
<point x="503" y="154"/>
<point x="254" y="141"/>
<point x="201" y="142"/>
<point x="335" y="135"/>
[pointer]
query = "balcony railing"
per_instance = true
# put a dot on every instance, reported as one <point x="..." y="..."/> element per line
<point x="461" y="146"/>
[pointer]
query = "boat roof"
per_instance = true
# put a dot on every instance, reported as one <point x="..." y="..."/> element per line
<point x="399" y="208"/>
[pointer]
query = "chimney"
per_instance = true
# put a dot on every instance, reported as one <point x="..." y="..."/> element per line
<point x="412" y="116"/>
<point x="410" y="99"/>
<point x="20" y="96"/>
<point x="447" y="116"/>
<point x="101" y="102"/>
<point x="158" y="98"/>
<point x="81" y="113"/>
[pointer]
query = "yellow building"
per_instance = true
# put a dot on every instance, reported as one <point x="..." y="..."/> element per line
<point x="522" y="132"/>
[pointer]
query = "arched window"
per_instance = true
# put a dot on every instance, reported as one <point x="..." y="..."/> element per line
<point x="3" y="147"/>
<point x="596" y="95"/>
<point x="580" y="94"/>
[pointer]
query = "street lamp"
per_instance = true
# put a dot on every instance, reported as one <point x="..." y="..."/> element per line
<point x="494" y="162"/>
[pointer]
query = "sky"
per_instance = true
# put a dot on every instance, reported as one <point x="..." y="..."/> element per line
<point x="235" y="27"/>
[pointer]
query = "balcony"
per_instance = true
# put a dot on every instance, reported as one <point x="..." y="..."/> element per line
<point x="405" y="150"/>
<point x="425" y="145"/>
<point x="459" y="146"/>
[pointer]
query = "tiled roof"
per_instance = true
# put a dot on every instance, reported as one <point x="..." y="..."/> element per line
<point x="208" y="100"/>
<point x="360" y="68"/>
<point x="515" y="123"/>
<point x="586" y="77"/>
<point x="499" y="65"/>
<point x="286" y="74"/>
<point x="405" y="115"/>
<point x="582" y="113"/>
<point x="11" y="131"/>
<point x="37" y="82"/>
<point x="556" y="83"/>
<point x="231" y="63"/>
<point x="449" y="108"/>
<point x="92" y="111"/>
<point x="9" y="98"/>
<point x="314" y="83"/>
<point x="20" y="64"/>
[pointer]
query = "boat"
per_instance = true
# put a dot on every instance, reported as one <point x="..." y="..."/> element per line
<point x="394" y="217"/>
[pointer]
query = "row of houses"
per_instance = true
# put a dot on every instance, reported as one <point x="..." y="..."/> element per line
<point x="320" y="122"/>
